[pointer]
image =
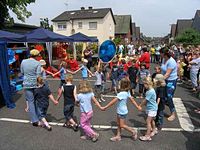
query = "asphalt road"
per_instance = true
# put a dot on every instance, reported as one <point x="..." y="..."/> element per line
<point x="21" y="135"/>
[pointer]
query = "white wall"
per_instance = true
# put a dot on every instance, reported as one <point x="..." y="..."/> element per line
<point x="105" y="28"/>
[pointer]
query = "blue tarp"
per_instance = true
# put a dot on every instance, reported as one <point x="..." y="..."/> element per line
<point x="80" y="37"/>
<point x="11" y="37"/>
<point x="5" y="93"/>
<point x="44" y="35"/>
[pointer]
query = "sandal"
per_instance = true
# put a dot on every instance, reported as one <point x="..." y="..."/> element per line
<point x="145" y="138"/>
<point x="154" y="132"/>
<point x="95" y="138"/>
<point x="115" y="138"/>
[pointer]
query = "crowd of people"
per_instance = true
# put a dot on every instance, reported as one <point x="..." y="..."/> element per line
<point x="125" y="73"/>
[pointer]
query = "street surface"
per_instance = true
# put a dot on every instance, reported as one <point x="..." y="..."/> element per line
<point x="183" y="133"/>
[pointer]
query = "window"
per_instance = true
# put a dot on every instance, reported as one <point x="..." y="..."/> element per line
<point x="62" y="26"/>
<point x="92" y="25"/>
<point x="80" y="25"/>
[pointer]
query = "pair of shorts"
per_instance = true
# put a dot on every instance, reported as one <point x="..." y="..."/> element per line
<point x="133" y="85"/>
<point x="151" y="113"/>
<point x="122" y="116"/>
<point x="62" y="82"/>
<point x="42" y="112"/>
<point x="68" y="112"/>
<point x="114" y="83"/>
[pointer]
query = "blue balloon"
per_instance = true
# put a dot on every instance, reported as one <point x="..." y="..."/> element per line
<point x="107" y="51"/>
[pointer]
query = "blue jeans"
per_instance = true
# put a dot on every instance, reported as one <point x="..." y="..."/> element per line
<point x="31" y="104"/>
<point x="170" y="89"/>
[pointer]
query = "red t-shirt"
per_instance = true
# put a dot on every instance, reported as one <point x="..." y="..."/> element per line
<point x="145" y="58"/>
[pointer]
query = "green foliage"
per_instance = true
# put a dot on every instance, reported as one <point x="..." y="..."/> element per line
<point x="94" y="47"/>
<point x="189" y="36"/>
<point x="117" y="41"/>
<point x="16" y="6"/>
<point x="44" y="23"/>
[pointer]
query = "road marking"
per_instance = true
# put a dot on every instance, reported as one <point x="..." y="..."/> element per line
<point x="94" y="126"/>
<point x="183" y="116"/>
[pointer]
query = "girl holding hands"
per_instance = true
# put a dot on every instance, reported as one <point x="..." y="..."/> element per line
<point x="122" y="109"/>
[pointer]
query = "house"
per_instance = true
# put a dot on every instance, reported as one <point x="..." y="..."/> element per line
<point x="123" y="27"/>
<point x="133" y="32"/>
<point x="196" y="21"/>
<point x="173" y="31"/>
<point x="137" y="33"/>
<point x="182" y="25"/>
<point x="99" y="23"/>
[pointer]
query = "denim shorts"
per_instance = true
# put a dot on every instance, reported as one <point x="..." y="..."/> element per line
<point x="133" y="85"/>
<point x="42" y="112"/>
<point x="122" y="116"/>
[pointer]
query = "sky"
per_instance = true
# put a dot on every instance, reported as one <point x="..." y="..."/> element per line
<point x="152" y="16"/>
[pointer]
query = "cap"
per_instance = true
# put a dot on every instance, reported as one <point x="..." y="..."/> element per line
<point x="42" y="62"/>
<point x="34" y="52"/>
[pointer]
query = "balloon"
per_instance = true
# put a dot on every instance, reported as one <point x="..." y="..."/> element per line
<point x="107" y="51"/>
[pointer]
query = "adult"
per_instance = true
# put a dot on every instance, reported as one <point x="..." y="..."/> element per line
<point x="152" y="51"/>
<point x="131" y="50"/>
<point x="88" y="55"/>
<point x="157" y="54"/>
<point x="169" y="70"/>
<point x="31" y="69"/>
<point x="145" y="57"/>
<point x="120" y="51"/>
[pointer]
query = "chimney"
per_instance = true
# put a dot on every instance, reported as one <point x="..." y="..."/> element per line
<point x="90" y="8"/>
<point x="82" y="8"/>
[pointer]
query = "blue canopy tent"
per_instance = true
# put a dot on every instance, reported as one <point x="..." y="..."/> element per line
<point x="5" y="89"/>
<point x="44" y="35"/>
<point x="41" y="35"/>
<point x="80" y="37"/>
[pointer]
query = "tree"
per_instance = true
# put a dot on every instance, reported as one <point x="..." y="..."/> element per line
<point x="16" y="6"/>
<point x="189" y="36"/>
<point x="44" y="23"/>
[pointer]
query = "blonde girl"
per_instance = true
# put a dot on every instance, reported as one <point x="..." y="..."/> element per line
<point x="122" y="110"/>
<point x="151" y="109"/>
<point x="84" y="98"/>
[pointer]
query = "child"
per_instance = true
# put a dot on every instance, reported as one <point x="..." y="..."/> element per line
<point x="42" y="95"/>
<point x="132" y="72"/>
<point x="122" y="110"/>
<point x="62" y="72"/>
<point x="194" y="68"/>
<point x="99" y="81"/>
<point x="84" y="70"/>
<point x="84" y="98"/>
<point x="151" y="109"/>
<point x="114" y="76"/>
<point x="157" y="71"/>
<point x="69" y="93"/>
<point x="160" y="86"/>
<point x="44" y="71"/>
<point x="180" y="66"/>
<point x="121" y="74"/>
<point x="143" y="73"/>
